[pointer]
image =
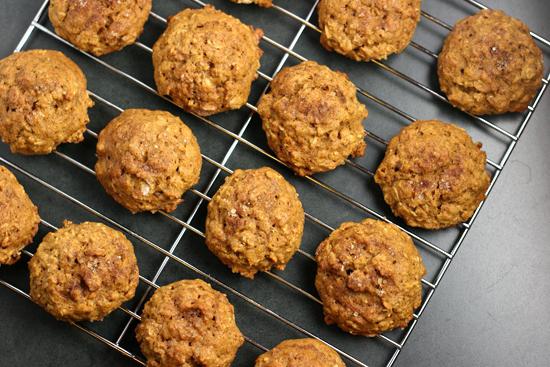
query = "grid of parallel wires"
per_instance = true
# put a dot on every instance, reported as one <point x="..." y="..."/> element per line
<point x="430" y="286"/>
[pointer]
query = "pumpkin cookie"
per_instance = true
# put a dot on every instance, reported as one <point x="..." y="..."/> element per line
<point x="18" y="218"/>
<point x="300" y="353"/>
<point x="263" y="3"/>
<point x="433" y="175"/>
<point x="369" y="277"/>
<point x="206" y="61"/>
<point x="146" y="160"/>
<point x="312" y="118"/>
<point x="366" y="30"/>
<point x="43" y="101"/>
<point x="490" y="64"/>
<point x="188" y="324"/>
<point x="99" y="26"/>
<point x="255" y="221"/>
<point x="83" y="272"/>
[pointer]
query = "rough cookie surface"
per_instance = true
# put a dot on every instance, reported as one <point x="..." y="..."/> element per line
<point x="188" y="324"/>
<point x="433" y="175"/>
<point x="300" y="353"/>
<point x="147" y="159"/>
<point x="206" y="60"/>
<point x="312" y="118"/>
<point x="366" y="30"/>
<point x="43" y="101"/>
<point x="18" y="218"/>
<point x="255" y="221"/>
<point x="490" y="64"/>
<point x="99" y="26"/>
<point x="263" y="3"/>
<point x="368" y="277"/>
<point x="83" y="272"/>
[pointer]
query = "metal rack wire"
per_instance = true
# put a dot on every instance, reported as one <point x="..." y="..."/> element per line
<point x="222" y="169"/>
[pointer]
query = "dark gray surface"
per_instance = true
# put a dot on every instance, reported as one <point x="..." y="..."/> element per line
<point x="491" y="308"/>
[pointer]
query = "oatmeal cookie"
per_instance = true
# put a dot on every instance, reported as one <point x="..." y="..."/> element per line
<point x="369" y="277"/>
<point x="300" y="353"/>
<point x="263" y="3"/>
<point x="365" y="30"/>
<point x="312" y="118"/>
<point x="18" y="218"/>
<point x="490" y="64"/>
<point x="43" y="101"/>
<point x="206" y="60"/>
<point x="147" y="159"/>
<point x="255" y="221"/>
<point x="99" y="26"/>
<point x="188" y="324"/>
<point x="83" y="272"/>
<point x="433" y="175"/>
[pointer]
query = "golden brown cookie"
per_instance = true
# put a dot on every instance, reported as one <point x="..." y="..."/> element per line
<point x="369" y="277"/>
<point x="206" y="60"/>
<point x="18" y="218"/>
<point x="83" y="272"/>
<point x="188" y="324"/>
<point x="366" y="30"/>
<point x="312" y="118"/>
<point x="43" y="101"/>
<point x="433" y="175"/>
<point x="490" y="64"/>
<point x="99" y="26"/>
<point x="263" y="3"/>
<point x="300" y="353"/>
<point x="255" y="221"/>
<point x="146" y="160"/>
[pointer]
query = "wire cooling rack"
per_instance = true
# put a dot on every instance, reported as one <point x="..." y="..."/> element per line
<point x="276" y="305"/>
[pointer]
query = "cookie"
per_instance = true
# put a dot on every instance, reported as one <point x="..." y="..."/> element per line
<point x="365" y="30"/>
<point x="433" y="175"/>
<point x="98" y="26"/>
<point x="490" y="64"/>
<point x="300" y="353"/>
<point x="206" y="61"/>
<point x="146" y="160"/>
<point x="18" y="218"/>
<point x="262" y="3"/>
<point x="188" y="324"/>
<point x="312" y="118"/>
<point x="255" y="221"/>
<point x="83" y="272"/>
<point x="369" y="277"/>
<point x="43" y="101"/>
